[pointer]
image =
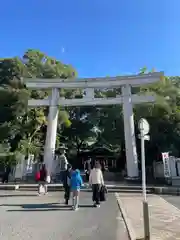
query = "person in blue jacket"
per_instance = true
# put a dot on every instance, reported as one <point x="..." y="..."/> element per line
<point x="76" y="183"/>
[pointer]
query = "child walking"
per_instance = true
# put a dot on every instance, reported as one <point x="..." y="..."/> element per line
<point x="76" y="183"/>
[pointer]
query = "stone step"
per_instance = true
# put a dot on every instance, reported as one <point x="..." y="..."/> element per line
<point x="59" y="187"/>
<point x="120" y="186"/>
<point x="83" y="190"/>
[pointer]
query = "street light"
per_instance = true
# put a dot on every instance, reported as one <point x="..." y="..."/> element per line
<point x="144" y="130"/>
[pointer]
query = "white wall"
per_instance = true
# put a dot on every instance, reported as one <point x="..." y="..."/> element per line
<point x="172" y="164"/>
<point x="159" y="167"/>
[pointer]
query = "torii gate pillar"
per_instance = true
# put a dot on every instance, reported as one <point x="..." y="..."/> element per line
<point x="129" y="133"/>
<point x="51" y="130"/>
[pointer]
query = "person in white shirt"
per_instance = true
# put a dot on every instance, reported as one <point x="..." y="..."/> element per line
<point x="96" y="181"/>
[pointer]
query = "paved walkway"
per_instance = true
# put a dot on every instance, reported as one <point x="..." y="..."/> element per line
<point x="26" y="216"/>
<point x="164" y="217"/>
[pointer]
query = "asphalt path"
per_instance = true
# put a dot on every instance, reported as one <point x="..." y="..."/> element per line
<point x="24" y="215"/>
<point x="174" y="200"/>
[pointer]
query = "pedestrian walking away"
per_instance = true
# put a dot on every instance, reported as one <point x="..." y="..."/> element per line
<point x="42" y="179"/>
<point x="87" y="169"/>
<point x="76" y="183"/>
<point x="103" y="166"/>
<point x="63" y="163"/>
<point x="6" y="174"/>
<point x="67" y="183"/>
<point x="96" y="180"/>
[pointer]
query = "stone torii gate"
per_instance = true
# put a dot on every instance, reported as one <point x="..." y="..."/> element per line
<point x="89" y="84"/>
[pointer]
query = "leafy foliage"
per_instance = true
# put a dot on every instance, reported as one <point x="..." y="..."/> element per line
<point x="24" y="129"/>
<point x="80" y="132"/>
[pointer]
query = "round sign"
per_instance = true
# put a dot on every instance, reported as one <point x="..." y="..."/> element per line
<point x="144" y="126"/>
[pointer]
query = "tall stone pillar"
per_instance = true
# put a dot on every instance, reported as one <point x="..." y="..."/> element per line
<point x="51" y="130"/>
<point x="130" y="141"/>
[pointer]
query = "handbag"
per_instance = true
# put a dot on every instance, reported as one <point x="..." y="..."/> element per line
<point x="41" y="189"/>
<point x="103" y="192"/>
<point x="48" y="179"/>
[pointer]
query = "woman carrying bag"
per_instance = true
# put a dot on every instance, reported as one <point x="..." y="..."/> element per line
<point x="96" y="180"/>
<point x="41" y="176"/>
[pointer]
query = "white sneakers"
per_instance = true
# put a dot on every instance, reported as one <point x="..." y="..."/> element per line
<point x="96" y="205"/>
<point x="75" y="208"/>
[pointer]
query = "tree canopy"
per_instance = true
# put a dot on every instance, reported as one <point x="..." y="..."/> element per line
<point x="23" y="129"/>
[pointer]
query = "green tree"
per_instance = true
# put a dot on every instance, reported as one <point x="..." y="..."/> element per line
<point x="23" y="129"/>
<point x="163" y="116"/>
<point x="81" y="131"/>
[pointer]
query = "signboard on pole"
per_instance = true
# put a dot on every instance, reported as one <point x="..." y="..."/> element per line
<point x="143" y="126"/>
<point x="165" y="158"/>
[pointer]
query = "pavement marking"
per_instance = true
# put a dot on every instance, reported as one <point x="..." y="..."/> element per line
<point x="128" y="224"/>
<point x="121" y="233"/>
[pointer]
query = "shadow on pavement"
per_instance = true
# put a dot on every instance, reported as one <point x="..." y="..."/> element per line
<point x="18" y="195"/>
<point x="29" y="206"/>
<point x="40" y="210"/>
<point x="86" y="206"/>
<point x="42" y="207"/>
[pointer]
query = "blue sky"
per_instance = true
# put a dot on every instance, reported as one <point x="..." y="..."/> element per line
<point x="98" y="37"/>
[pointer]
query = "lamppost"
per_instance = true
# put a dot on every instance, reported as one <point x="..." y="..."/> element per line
<point x="144" y="130"/>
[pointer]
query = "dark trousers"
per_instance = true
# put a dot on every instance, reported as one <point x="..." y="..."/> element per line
<point x="5" y="178"/>
<point x="87" y="176"/>
<point x="96" y="193"/>
<point x="67" y="191"/>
